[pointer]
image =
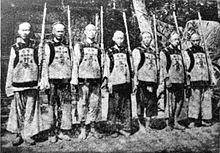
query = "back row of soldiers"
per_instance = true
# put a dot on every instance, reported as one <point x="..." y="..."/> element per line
<point x="75" y="79"/>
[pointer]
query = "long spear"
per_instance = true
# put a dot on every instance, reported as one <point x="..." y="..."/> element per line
<point x="41" y="45"/>
<point x="156" y="44"/>
<point x="70" y="34"/>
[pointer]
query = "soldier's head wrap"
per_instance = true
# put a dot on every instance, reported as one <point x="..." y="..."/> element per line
<point x="194" y="33"/>
<point x="89" y="25"/>
<point x="57" y="23"/>
<point x="117" y="32"/>
<point x="173" y="33"/>
<point x="142" y="33"/>
<point x="24" y="24"/>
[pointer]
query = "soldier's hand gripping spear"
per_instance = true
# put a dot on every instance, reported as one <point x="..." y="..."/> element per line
<point x="41" y="48"/>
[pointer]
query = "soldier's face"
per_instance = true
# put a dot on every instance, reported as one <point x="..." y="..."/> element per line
<point x="174" y="40"/>
<point x="24" y="30"/>
<point x="90" y="32"/>
<point x="195" y="40"/>
<point x="59" y="31"/>
<point x="118" y="38"/>
<point x="146" y="39"/>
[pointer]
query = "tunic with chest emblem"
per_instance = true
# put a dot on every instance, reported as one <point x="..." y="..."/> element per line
<point x="118" y="66"/>
<point x="23" y="67"/>
<point x="146" y="65"/>
<point x="198" y="67"/>
<point x="172" y="65"/>
<point x="59" y="60"/>
<point x="87" y="62"/>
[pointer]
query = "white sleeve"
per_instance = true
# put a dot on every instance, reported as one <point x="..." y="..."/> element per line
<point x="8" y="86"/>
<point x="75" y="66"/>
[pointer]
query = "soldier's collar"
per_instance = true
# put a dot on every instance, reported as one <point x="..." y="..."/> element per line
<point x="89" y="44"/>
<point x="25" y="43"/>
<point x="20" y="40"/>
<point x="119" y="48"/>
<point x="173" y="49"/>
<point x="55" y="41"/>
<point x="197" y="49"/>
<point x="146" y="48"/>
<point x="89" y="41"/>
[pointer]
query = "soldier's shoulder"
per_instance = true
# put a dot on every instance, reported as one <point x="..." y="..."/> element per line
<point x="79" y="44"/>
<point x="188" y="49"/>
<point x="139" y="48"/>
<point x="165" y="50"/>
<point x="14" y="45"/>
<point x="111" y="49"/>
<point x="17" y="42"/>
<point x="49" y="41"/>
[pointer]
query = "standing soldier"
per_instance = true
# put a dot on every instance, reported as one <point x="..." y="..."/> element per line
<point x="172" y="79"/>
<point x="22" y="82"/>
<point x="56" y="75"/>
<point x="200" y="71"/>
<point x="86" y="80"/>
<point x="145" y="78"/>
<point x="117" y="77"/>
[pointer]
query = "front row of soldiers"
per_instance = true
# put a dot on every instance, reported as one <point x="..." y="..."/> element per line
<point x="74" y="80"/>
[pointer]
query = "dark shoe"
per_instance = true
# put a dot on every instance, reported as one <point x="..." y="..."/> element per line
<point x="29" y="141"/>
<point x="17" y="141"/>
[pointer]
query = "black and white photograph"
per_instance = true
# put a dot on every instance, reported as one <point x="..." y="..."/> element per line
<point x="103" y="76"/>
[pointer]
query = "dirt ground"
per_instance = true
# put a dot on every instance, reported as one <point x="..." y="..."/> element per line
<point x="197" y="140"/>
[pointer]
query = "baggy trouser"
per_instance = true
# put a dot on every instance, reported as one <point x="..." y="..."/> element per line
<point x="147" y="104"/>
<point x="89" y="102"/>
<point x="174" y="102"/>
<point x="24" y="116"/>
<point x="120" y="110"/>
<point x="61" y="107"/>
<point x="200" y="103"/>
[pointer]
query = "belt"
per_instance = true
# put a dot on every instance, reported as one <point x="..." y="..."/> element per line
<point x="88" y="80"/>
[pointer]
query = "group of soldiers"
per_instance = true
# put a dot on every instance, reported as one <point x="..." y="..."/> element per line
<point x="74" y="79"/>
